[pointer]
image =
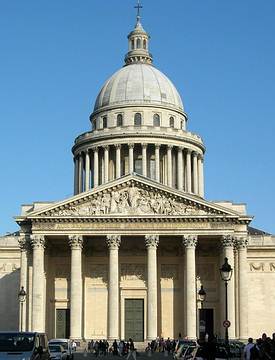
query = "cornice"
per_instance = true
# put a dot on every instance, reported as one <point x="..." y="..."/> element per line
<point x="82" y="144"/>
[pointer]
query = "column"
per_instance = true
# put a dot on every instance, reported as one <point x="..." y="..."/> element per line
<point x="144" y="159"/>
<point x="180" y="169"/>
<point x="157" y="160"/>
<point x="201" y="175"/>
<point x="80" y="173"/>
<point x="188" y="171"/>
<point x="169" y="165"/>
<point x="190" y="242"/>
<point x="243" y="299"/>
<point x="23" y="245"/>
<point x="113" y="243"/>
<point x="195" y="172"/>
<point x="131" y="158"/>
<point x="227" y="242"/>
<point x="38" y="282"/>
<point x="95" y="149"/>
<point x="87" y="171"/>
<point x="76" y="244"/>
<point x="151" y="242"/>
<point x="106" y="163"/>
<point x="118" y="160"/>
<point x="76" y="170"/>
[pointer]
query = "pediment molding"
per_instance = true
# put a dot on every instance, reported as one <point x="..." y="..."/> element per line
<point x="134" y="197"/>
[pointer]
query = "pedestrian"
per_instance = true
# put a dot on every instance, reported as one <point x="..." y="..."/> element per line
<point x="132" y="350"/>
<point x="247" y="349"/>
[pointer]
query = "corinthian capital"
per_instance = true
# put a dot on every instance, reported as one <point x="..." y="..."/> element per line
<point x="151" y="241"/>
<point x="241" y="242"/>
<point x="76" y="241"/>
<point x="228" y="241"/>
<point x="23" y="242"/>
<point x="38" y="241"/>
<point x="113" y="241"/>
<point x="190" y="240"/>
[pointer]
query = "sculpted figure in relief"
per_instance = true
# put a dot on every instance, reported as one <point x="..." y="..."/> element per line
<point x="131" y="200"/>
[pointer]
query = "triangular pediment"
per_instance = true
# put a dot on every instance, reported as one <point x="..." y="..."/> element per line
<point x="133" y="196"/>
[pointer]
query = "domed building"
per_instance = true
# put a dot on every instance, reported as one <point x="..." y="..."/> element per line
<point x="131" y="252"/>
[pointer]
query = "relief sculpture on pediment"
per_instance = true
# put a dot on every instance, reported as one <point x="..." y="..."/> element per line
<point x="131" y="200"/>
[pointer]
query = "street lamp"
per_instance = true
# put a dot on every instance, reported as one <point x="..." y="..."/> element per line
<point x="201" y="317"/>
<point x="22" y="297"/>
<point x="226" y="273"/>
<point x="202" y="295"/>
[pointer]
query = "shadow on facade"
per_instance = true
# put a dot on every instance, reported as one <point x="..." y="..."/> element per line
<point x="9" y="304"/>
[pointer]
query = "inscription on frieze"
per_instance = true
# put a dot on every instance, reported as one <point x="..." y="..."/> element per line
<point x="262" y="267"/>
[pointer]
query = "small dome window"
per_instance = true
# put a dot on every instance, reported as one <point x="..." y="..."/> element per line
<point x="119" y="119"/>
<point x="104" y="119"/>
<point x="182" y="124"/>
<point x="137" y="119"/>
<point x="138" y="44"/>
<point x="172" y="122"/>
<point x="144" y="44"/>
<point x="156" y="120"/>
<point x="94" y="124"/>
<point x="133" y="44"/>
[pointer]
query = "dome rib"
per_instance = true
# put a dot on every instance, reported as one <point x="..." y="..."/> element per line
<point x="138" y="84"/>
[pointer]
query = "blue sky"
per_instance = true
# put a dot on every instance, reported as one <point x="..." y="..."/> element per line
<point x="56" y="54"/>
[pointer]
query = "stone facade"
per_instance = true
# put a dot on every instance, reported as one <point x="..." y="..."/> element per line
<point x="138" y="228"/>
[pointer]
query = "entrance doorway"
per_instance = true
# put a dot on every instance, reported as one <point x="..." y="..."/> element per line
<point x="134" y="319"/>
<point x="62" y="327"/>
<point x="206" y="323"/>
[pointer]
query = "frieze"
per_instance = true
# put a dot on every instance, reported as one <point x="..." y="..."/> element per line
<point x="262" y="267"/>
<point x="132" y="200"/>
<point x="98" y="272"/>
<point x="133" y="272"/>
<point x="170" y="271"/>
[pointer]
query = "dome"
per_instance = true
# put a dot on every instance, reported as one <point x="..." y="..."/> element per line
<point x="138" y="84"/>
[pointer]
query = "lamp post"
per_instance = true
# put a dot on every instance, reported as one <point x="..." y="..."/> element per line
<point x="226" y="273"/>
<point x="202" y="323"/>
<point x="22" y="297"/>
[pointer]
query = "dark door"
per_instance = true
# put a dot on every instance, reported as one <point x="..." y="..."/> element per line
<point x="134" y="319"/>
<point x="62" y="323"/>
<point x="206" y="325"/>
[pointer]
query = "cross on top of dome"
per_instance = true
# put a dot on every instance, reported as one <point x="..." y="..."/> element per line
<point x="138" y="41"/>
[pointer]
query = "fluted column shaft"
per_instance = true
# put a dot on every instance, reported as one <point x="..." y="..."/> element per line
<point x="190" y="243"/>
<point x="151" y="242"/>
<point x="118" y="161"/>
<point x="76" y="244"/>
<point x="23" y="245"/>
<point x="87" y="171"/>
<point x="95" y="167"/>
<point x="201" y="175"/>
<point x="76" y="176"/>
<point x="195" y="173"/>
<point x="180" y="169"/>
<point x="157" y="159"/>
<point x="38" y="296"/>
<point x="188" y="171"/>
<point x="131" y="158"/>
<point x="80" y="173"/>
<point x="243" y="299"/>
<point x="144" y="159"/>
<point x="106" y="163"/>
<point x="227" y="242"/>
<point x="169" y="165"/>
<point x="113" y="243"/>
